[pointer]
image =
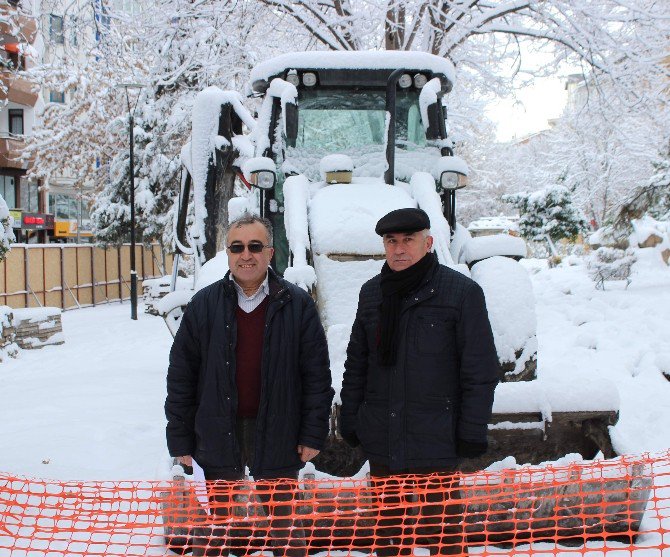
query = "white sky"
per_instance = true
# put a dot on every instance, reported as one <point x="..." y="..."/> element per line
<point x="531" y="109"/>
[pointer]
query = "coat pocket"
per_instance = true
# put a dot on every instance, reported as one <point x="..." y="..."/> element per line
<point x="372" y="428"/>
<point x="431" y="430"/>
<point x="215" y="445"/>
<point x="434" y="334"/>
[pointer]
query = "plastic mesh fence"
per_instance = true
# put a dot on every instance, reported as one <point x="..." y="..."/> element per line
<point x="597" y="507"/>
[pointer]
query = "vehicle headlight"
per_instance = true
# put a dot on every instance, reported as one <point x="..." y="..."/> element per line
<point x="420" y="80"/>
<point x="293" y="78"/>
<point x="405" y="81"/>
<point x="309" y="79"/>
<point x="265" y="179"/>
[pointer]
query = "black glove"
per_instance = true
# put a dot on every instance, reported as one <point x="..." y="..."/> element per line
<point x="470" y="449"/>
<point x="350" y="439"/>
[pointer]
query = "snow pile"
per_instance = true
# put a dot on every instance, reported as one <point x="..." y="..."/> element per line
<point x="500" y="223"/>
<point x="35" y="315"/>
<point x="339" y="285"/>
<point x="302" y="275"/>
<point x="649" y="232"/>
<point x="296" y="199"/>
<point x="342" y="217"/>
<point x="429" y="94"/>
<point x="287" y="93"/>
<point x="423" y="191"/>
<point x="213" y="270"/>
<point x="370" y="59"/>
<point x="482" y="247"/>
<point x="238" y="206"/>
<point x="511" y="306"/>
<point x="204" y="141"/>
<point x="335" y="163"/>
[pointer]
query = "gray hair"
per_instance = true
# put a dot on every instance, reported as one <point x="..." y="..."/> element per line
<point x="247" y="218"/>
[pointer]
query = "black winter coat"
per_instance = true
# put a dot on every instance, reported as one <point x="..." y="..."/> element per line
<point x="441" y="389"/>
<point x="296" y="392"/>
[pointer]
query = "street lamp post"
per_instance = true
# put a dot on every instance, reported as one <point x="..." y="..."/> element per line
<point x="131" y="168"/>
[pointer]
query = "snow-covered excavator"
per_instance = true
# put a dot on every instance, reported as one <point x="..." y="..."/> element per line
<point x="339" y="140"/>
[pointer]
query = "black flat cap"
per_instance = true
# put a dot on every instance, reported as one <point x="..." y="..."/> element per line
<point x="403" y="220"/>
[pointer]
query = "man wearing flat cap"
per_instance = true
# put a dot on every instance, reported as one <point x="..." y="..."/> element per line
<point x="419" y="378"/>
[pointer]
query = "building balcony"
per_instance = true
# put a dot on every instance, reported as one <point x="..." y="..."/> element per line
<point x="11" y="149"/>
<point x="19" y="89"/>
<point x="24" y="30"/>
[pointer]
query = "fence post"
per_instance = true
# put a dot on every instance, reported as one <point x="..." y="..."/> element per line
<point x="92" y="275"/>
<point x="26" y="281"/>
<point x="62" y="277"/>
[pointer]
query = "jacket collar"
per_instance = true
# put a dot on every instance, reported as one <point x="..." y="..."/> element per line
<point x="278" y="286"/>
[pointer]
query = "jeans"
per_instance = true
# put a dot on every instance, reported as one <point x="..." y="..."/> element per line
<point x="287" y="536"/>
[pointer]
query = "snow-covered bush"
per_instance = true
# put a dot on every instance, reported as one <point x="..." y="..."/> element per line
<point x="548" y="212"/>
<point x="610" y="264"/>
<point x="6" y="232"/>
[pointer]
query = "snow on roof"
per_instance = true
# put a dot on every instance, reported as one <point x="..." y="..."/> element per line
<point x="495" y="223"/>
<point x="367" y="59"/>
<point x="423" y="190"/>
<point x="482" y="247"/>
<point x="356" y="208"/>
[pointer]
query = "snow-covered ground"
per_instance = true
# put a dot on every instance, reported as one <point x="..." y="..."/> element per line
<point x="92" y="408"/>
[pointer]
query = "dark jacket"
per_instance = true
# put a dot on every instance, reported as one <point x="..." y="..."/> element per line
<point x="441" y="389"/>
<point x="296" y="392"/>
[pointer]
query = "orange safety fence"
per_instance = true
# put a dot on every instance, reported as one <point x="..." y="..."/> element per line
<point x="619" y="505"/>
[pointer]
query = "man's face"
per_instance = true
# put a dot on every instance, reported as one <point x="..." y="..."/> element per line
<point x="404" y="249"/>
<point x="249" y="268"/>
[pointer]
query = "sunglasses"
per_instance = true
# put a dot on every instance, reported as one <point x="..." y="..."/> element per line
<point x="253" y="247"/>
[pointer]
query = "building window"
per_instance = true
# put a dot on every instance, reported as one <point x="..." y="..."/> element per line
<point x="16" y="121"/>
<point x="8" y="190"/>
<point x="56" y="96"/>
<point x="29" y="196"/>
<point x="56" y="29"/>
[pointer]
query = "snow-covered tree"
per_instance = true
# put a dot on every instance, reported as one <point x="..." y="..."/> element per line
<point x="6" y="232"/>
<point x="652" y="198"/>
<point x="174" y="49"/>
<point x="547" y="212"/>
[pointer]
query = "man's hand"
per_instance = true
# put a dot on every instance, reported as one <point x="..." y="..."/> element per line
<point x="307" y="453"/>
<point x="185" y="460"/>
<point x="186" y="463"/>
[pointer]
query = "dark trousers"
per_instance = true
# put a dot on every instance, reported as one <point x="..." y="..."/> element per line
<point x="438" y="524"/>
<point x="286" y="535"/>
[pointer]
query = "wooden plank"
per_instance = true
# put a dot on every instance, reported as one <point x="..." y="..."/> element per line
<point x="52" y="277"/>
<point x="84" y="290"/>
<point x="111" y="259"/>
<point x="99" y="257"/>
<point x="70" y="268"/>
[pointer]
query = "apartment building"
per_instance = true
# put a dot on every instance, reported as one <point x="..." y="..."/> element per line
<point x="19" y="101"/>
<point x="59" y="214"/>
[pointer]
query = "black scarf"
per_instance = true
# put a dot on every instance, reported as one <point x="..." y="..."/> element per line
<point x="396" y="285"/>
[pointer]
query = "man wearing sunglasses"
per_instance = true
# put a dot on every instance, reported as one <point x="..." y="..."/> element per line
<point x="249" y="383"/>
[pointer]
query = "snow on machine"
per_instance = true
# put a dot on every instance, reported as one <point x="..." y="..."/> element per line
<point x="340" y="139"/>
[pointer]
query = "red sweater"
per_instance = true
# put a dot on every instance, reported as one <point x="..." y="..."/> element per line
<point x="249" y="353"/>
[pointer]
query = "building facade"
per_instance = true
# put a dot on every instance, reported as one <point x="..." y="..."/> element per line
<point x="60" y="213"/>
